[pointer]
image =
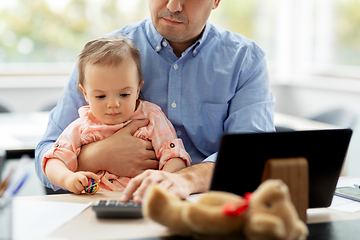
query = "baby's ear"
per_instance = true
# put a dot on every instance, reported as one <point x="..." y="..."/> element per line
<point x="81" y="87"/>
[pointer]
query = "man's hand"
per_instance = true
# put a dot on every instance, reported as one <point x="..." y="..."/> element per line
<point x="138" y="185"/>
<point x="193" y="179"/>
<point x="121" y="154"/>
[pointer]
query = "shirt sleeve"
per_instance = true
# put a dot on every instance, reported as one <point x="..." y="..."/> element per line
<point x="66" y="148"/>
<point x="65" y="112"/>
<point x="162" y="135"/>
<point x="211" y="158"/>
<point x="252" y="107"/>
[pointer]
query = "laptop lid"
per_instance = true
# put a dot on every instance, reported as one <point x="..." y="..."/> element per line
<point x="241" y="159"/>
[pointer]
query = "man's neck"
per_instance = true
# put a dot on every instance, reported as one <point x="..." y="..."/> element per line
<point x="179" y="48"/>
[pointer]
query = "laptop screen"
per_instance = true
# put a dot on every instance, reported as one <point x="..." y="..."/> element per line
<point x="241" y="159"/>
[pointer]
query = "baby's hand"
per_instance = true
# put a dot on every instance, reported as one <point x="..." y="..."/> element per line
<point x="76" y="182"/>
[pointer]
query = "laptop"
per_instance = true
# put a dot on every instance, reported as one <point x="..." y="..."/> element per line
<point x="241" y="159"/>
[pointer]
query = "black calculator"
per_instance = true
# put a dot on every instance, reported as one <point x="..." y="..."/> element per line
<point x="117" y="209"/>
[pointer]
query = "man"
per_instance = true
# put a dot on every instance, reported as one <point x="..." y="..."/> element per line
<point x="207" y="81"/>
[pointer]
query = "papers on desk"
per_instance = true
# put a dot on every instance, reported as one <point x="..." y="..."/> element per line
<point x="37" y="219"/>
<point x="343" y="204"/>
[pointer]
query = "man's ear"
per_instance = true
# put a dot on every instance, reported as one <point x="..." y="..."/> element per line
<point x="216" y="4"/>
<point x="81" y="87"/>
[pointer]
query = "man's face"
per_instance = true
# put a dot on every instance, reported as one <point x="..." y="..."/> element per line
<point x="181" y="21"/>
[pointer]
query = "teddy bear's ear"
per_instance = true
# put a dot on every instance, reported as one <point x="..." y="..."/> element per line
<point x="274" y="189"/>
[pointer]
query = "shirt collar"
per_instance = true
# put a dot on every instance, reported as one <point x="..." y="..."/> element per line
<point x="156" y="40"/>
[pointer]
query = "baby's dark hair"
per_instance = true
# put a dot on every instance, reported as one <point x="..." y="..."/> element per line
<point x="108" y="52"/>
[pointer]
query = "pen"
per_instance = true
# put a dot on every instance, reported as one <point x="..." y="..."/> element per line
<point x="12" y="191"/>
<point x="26" y="176"/>
<point x="5" y="183"/>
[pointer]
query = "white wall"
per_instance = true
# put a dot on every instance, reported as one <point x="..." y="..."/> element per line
<point x="305" y="101"/>
<point x="20" y="100"/>
<point x="30" y="93"/>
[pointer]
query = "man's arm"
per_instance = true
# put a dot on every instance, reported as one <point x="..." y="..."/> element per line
<point x="193" y="179"/>
<point x="121" y="154"/>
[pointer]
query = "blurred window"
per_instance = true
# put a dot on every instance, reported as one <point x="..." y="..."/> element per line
<point x="300" y="37"/>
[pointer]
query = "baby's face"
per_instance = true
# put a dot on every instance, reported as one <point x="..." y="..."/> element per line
<point x="112" y="91"/>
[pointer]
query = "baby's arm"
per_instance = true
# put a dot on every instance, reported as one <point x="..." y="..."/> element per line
<point x="174" y="165"/>
<point x="162" y="135"/>
<point x="61" y="176"/>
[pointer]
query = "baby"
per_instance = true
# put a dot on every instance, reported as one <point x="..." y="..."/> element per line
<point x="110" y="79"/>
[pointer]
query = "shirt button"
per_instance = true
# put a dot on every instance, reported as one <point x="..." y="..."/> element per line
<point x="176" y="66"/>
<point x="173" y="105"/>
<point x="164" y="43"/>
<point x="178" y="133"/>
<point x="194" y="52"/>
<point x="157" y="48"/>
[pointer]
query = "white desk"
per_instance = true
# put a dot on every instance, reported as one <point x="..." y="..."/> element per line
<point x="298" y="123"/>
<point x="87" y="226"/>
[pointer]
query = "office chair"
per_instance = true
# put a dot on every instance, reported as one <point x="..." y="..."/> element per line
<point x="2" y="151"/>
<point x="2" y="161"/>
<point x="339" y="117"/>
<point x="49" y="191"/>
<point x="4" y="109"/>
<point x="49" y="107"/>
<point x="283" y="129"/>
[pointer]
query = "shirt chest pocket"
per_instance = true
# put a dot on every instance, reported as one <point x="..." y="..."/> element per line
<point x="210" y="126"/>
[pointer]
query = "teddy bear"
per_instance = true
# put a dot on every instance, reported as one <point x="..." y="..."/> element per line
<point x="265" y="214"/>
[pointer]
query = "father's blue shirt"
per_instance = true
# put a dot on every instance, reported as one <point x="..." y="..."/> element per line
<point x="218" y="85"/>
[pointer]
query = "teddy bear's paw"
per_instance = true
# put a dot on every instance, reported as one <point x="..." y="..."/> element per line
<point x="154" y="201"/>
<point x="210" y="220"/>
<point x="163" y="207"/>
<point x="232" y="236"/>
<point x="301" y="231"/>
<point x="157" y="203"/>
<point x="265" y="227"/>
<point x="216" y="198"/>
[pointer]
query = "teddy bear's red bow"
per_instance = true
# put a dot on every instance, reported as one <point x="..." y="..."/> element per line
<point x="234" y="209"/>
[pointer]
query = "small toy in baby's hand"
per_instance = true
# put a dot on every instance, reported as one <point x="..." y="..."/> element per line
<point x="92" y="186"/>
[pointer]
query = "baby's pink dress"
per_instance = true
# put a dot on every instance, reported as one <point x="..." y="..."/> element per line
<point x="88" y="129"/>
